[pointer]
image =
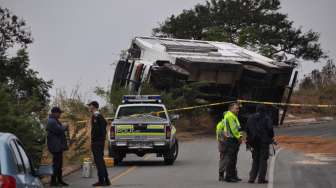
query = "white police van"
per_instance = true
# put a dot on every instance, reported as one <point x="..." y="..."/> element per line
<point x="142" y="125"/>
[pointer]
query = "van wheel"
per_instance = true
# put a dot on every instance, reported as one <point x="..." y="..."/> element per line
<point x="172" y="154"/>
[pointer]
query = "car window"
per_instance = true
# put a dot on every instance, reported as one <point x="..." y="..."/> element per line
<point x="16" y="157"/>
<point x="142" y="110"/>
<point x="25" y="158"/>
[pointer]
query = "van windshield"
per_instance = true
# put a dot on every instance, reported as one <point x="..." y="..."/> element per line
<point x="133" y="111"/>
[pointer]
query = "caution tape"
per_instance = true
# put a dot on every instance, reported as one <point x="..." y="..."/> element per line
<point x="178" y="109"/>
<point x="200" y="106"/>
<point x="239" y="101"/>
<point x="190" y="108"/>
<point x="289" y="104"/>
<point x="83" y="121"/>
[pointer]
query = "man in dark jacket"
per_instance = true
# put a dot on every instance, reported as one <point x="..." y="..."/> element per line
<point x="57" y="143"/>
<point x="260" y="135"/>
<point x="98" y="136"/>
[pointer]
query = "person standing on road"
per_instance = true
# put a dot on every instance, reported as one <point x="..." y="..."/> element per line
<point x="57" y="144"/>
<point x="260" y="135"/>
<point x="98" y="136"/>
<point x="229" y="139"/>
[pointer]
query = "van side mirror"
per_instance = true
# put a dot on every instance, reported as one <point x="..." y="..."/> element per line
<point x="44" y="170"/>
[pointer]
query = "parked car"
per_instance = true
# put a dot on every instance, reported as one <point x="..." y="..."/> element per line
<point x="16" y="169"/>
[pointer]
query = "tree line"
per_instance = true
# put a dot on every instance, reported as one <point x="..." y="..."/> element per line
<point x="24" y="96"/>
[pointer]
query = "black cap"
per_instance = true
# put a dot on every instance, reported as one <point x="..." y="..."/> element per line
<point x="56" y="109"/>
<point x="94" y="103"/>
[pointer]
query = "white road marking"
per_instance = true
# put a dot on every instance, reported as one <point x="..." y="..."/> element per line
<point x="129" y="170"/>
<point x="311" y="162"/>
<point x="324" y="157"/>
<point x="271" y="169"/>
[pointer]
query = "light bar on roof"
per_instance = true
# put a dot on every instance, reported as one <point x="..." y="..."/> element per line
<point x="141" y="99"/>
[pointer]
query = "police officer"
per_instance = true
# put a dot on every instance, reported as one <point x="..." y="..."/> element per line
<point x="98" y="136"/>
<point x="259" y="136"/>
<point x="229" y="139"/>
<point x="57" y="143"/>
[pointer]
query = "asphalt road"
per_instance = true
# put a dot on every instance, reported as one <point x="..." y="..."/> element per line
<point x="196" y="167"/>
<point x="325" y="129"/>
<point x="296" y="169"/>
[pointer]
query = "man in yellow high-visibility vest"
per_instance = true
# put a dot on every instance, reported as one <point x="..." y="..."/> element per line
<point x="229" y="139"/>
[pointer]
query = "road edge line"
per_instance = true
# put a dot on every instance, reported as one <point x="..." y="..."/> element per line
<point x="126" y="172"/>
<point x="271" y="170"/>
<point x="129" y="170"/>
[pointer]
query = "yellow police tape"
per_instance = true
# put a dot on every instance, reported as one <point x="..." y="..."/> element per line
<point x="289" y="104"/>
<point x="180" y="109"/>
<point x="200" y="106"/>
<point x="242" y="101"/>
<point x="82" y="121"/>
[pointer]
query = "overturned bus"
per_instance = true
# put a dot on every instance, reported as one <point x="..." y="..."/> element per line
<point x="231" y="71"/>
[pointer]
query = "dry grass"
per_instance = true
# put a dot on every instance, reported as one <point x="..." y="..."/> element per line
<point x="308" y="144"/>
<point x="312" y="96"/>
<point x="195" y="126"/>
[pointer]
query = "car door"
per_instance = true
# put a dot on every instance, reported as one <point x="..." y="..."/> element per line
<point x="20" y="171"/>
<point x="30" y="180"/>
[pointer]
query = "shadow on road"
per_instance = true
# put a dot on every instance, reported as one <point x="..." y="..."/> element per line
<point x="142" y="163"/>
<point x="152" y="163"/>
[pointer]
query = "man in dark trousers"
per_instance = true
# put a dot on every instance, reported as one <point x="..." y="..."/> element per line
<point x="229" y="139"/>
<point x="260" y="135"/>
<point x="98" y="136"/>
<point x="57" y="144"/>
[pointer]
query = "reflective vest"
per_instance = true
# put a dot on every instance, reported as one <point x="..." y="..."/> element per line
<point x="229" y="126"/>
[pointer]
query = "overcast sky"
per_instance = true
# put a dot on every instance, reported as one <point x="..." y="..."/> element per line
<point x="76" y="41"/>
